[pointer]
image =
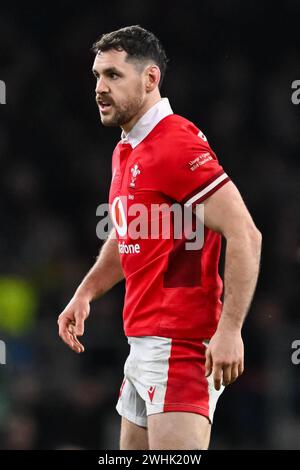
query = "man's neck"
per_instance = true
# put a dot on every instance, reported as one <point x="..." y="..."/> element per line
<point x="151" y="102"/>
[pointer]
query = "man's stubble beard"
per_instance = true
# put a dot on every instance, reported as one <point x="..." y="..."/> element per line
<point x="123" y="114"/>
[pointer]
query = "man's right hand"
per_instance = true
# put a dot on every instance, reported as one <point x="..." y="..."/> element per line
<point x="71" y="322"/>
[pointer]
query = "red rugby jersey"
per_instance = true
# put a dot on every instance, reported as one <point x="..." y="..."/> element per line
<point x="170" y="291"/>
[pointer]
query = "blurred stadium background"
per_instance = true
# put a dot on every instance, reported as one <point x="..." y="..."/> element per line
<point x="231" y="68"/>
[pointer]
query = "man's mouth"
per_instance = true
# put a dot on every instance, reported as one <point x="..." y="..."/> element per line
<point x="104" y="105"/>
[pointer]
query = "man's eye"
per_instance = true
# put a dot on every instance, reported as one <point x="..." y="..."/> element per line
<point x="113" y="76"/>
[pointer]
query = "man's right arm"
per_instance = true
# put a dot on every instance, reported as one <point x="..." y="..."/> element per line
<point x="105" y="273"/>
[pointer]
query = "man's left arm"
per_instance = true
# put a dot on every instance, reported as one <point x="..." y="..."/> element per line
<point x="226" y="213"/>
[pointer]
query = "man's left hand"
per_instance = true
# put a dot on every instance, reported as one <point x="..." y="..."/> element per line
<point x="225" y="357"/>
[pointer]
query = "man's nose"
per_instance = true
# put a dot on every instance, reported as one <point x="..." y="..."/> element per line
<point x="101" y="86"/>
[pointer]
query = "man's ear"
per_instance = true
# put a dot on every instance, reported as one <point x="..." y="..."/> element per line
<point x="152" y="77"/>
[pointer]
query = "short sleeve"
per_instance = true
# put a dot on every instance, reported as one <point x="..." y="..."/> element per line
<point x="192" y="171"/>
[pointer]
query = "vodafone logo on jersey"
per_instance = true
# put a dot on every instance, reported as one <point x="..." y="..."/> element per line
<point x="118" y="216"/>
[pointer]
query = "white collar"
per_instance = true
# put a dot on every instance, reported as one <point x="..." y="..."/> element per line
<point x="147" y="122"/>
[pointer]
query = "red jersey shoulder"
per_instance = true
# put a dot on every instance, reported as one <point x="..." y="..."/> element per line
<point x="186" y="161"/>
<point x="180" y="138"/>
<point x="116" y="153"/>
<point x="181" y="144"/>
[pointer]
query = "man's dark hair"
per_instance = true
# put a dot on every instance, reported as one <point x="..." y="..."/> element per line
<point x="141" y="46"/>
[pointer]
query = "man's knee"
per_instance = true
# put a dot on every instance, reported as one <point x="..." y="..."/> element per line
<point x="133" y="437"/>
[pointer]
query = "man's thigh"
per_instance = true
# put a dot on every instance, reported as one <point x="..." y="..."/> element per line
<point x="133" y="437"/>
<point x="178" y="430"/>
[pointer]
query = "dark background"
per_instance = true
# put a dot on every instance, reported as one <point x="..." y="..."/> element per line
<point x="231" y="67"/>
